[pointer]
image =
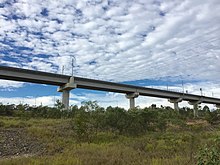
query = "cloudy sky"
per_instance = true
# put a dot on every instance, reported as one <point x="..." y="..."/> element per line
<point x="170" y="44"/>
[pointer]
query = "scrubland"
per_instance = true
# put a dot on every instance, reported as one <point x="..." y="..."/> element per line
<point x="92" y="135"/>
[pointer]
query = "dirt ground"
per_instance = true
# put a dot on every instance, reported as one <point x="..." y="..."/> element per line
<point x="15" y="142"/>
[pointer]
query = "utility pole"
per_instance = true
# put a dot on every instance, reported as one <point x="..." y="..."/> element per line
<point x="35" y="101"/>
<point x="54" y="101"/>
<point x="63" y="69"/>
<point x="183" y="86"/>
<point x="72" y="66"/>
<point x="73" y="59"/>
<point x="201" y="91"/>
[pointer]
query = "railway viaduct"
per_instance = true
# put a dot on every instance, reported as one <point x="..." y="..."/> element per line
<point x="66" y="83"/>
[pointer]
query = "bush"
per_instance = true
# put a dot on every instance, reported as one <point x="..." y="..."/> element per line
<point x="210" y="155"/>
<point x="91" y="118"/>
<point x="83" y="128"/>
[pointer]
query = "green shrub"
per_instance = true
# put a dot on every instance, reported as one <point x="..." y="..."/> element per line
<point x="210" y="155"/>
<point x="83" y="127"/>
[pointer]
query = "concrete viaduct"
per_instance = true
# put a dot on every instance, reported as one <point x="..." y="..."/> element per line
<point x="66" y="83"/>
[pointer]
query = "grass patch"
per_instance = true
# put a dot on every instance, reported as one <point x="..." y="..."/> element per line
<point x="155" y="148"/>
<point x="13" y="122"/>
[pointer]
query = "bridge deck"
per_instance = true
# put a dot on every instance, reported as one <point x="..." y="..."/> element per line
<point x="24" y="75"/>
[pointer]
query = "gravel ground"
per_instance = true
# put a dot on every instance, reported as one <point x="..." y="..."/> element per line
<point x="16" y="142"/>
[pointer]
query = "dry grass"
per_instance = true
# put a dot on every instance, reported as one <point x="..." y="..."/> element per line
<point x="154" y="148"/>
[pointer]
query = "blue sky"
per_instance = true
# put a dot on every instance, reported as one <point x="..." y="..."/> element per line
<point x="152" y="43"/>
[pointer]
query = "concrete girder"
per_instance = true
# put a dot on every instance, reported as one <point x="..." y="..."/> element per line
<point x="131" y="97"/>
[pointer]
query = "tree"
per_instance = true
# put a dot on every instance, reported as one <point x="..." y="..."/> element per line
<point x="206" y="108"/>
<point x="90" y="105"/>
<point x="59" y="104"/>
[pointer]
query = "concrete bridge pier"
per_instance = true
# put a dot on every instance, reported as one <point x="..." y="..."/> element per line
<point x="195" y="107"/>
<point x="175" y="102"/>
<point x="65" y="89"/>
<point x="65" y="98"/>
<point x="131" y="97"/>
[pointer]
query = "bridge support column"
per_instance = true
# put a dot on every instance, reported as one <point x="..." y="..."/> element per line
<point x="65" y="98"/>
<point x="195" y="107"/>
<point x="175" y="102"/>
<point x="65" y="89"/>
<point x="218" y="106"/>
<point x="131" y="97"/>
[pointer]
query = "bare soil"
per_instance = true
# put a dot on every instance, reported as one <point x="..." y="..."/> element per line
<point x="15" y="142"/>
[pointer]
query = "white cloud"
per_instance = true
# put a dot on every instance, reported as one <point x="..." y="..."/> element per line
<point x="40" y="100"/>
<point x="5" y="84"/>
<point x="127" y="34"/>
<point x="114" y="40"/>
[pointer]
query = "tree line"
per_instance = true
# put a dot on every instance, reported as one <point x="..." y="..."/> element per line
<point x="92" y="117"/>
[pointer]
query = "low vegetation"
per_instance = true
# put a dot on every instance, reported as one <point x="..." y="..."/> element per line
<point x="91" y="134"/>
